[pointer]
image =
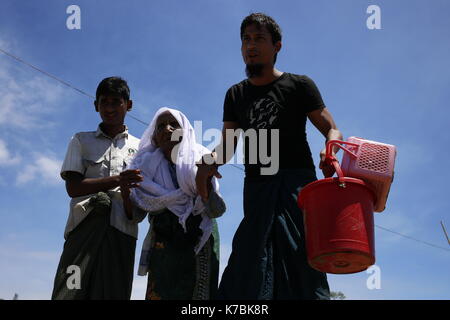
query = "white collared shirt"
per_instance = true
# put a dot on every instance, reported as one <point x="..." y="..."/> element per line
<point x="96" y="155"/>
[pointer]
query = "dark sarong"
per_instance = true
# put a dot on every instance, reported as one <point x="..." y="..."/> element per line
<point x="105" y="257"/>
<point x="268" y="259"/>
<point x="175" y="271"/>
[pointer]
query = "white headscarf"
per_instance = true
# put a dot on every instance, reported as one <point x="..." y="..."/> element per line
<point x="157" y="191"/>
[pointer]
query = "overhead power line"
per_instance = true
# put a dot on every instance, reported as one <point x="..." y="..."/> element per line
<point x="59" y="80"/>
<point x="445" y="232"/>
<point x="143" y="122"/>
<point x="46" y="73"/>
<point x="411" y="238"/>
<point x="71" y="86"/>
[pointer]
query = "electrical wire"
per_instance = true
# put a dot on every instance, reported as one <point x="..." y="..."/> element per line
<point x="411" y="238"/>
<point x="58" y="79"/>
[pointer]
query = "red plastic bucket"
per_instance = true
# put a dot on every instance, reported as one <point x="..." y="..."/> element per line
<point x="339" y="226"/>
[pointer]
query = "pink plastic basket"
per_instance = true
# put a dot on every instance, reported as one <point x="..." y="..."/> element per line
<point x="371" y="161"/>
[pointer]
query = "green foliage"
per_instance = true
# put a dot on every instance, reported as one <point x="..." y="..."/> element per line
<point x="337" y="295"/>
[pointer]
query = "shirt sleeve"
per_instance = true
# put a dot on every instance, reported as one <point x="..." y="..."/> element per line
<point x="311" y="97"/>
<point x="73" y="160"/>
<point x="228" y="108"/>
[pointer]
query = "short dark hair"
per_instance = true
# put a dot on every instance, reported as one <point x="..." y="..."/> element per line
<point x="263" y="20"/>
<point x="113" y="86"/>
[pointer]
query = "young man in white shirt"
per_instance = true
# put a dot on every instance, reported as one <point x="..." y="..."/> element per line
<point x="101" y="230"/>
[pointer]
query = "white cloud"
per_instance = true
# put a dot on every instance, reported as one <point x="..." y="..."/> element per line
<point x="50" y="169"/>
<point x="25" y="105"/>
<point x="6" y="158"/>
<point x="26" y="175"/>
<point x="4" y="44"/>
<point x="26" y="101"/>
<point x="43" y="168"/>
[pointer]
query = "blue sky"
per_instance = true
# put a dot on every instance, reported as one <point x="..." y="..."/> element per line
<point x="388" y="85"/>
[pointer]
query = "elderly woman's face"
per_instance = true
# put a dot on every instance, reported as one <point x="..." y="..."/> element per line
<point x="166" y="124"/>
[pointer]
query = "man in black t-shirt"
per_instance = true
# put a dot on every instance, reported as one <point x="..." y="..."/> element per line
<point x="268" y="259"/>
<point x="283" y="105"/>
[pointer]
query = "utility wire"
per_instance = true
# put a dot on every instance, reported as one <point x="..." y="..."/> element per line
<point x="92" y="97"/>
<point x="445" y="232"/>
<point x="411" y="238"/>
<point x="46" y="73"/>
<point x="71" y="86"/>
<point x="59" y="80"/>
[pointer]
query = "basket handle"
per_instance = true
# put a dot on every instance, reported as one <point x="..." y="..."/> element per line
<point x="330" y="159"/>
<point x="338" y="143"/>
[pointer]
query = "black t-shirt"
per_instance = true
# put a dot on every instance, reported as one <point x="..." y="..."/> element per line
<point x="282" y="104"/>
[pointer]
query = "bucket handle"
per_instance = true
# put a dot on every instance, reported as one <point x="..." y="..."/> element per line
<point x="330" y="159"/>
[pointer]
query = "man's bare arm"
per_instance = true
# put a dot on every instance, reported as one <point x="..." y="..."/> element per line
<point x="77" y="185"/>
<point x="208" y="168"/>
<point x="323" y="121"/>
<point x="221" y="150"/>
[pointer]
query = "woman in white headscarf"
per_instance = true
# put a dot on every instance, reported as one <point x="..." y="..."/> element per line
<point x="180" y="253"/>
